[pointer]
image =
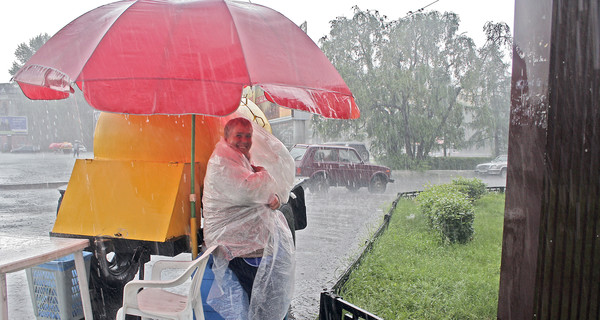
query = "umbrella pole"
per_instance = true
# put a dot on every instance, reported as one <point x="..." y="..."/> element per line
<point x="193" y="224"/>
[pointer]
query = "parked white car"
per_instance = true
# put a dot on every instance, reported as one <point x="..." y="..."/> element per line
<point x="497" y="166"/>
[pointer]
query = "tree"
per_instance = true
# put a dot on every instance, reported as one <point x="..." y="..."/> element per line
<point x="407" y="76"/>
<point x="425" y="64"/>
<point x="353" y="47"/>
<point x="491" y="98"/>
<point x="25" y="51"/>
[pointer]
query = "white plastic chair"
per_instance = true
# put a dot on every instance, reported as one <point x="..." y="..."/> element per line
<point x="156" y="303"/>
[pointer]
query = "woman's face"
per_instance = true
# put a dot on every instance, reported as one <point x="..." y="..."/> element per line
<point x="240" y="138"/>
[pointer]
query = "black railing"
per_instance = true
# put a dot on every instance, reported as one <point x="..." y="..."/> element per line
<point x="496" y="189"/>
<point x="409" y="194"/>
<point x="414" y="194"/>
<point x="333" y="307"/>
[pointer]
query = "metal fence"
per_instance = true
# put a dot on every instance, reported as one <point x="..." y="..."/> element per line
<point x="332" y="307"/>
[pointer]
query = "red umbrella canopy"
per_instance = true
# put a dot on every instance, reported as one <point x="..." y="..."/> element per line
<point x="185" y="57"/>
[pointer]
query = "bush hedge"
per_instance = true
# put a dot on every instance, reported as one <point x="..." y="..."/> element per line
<point x="473" y="188"/>
<point x="403" y="162"/>
<point x="429" y="198"/>
<point x="455" y="163"/>
<point x="449" y="212"/>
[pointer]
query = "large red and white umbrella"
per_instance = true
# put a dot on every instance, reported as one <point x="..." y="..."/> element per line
<point x="185" y="57"/>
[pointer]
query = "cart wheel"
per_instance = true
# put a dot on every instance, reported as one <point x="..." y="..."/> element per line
<point x="117" y="267"/>
<point x="110" y="270"/>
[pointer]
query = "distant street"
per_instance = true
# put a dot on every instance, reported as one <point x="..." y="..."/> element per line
<point x="338" y="223"/>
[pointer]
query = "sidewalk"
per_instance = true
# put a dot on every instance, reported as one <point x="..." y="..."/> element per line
<point x="36" y="168"/>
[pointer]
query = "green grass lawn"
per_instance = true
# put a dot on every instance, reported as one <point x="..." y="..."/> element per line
<point x="411" y="274"/>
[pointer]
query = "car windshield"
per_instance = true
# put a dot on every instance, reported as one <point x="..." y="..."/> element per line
<point x="500" y="159"/>
<point x="298" y="152"/>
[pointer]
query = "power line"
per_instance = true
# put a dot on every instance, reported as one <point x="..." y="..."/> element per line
<point x="410" y="13"/>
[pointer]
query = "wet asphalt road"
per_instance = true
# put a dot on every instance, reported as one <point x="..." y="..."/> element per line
<point x="339" y="222"/>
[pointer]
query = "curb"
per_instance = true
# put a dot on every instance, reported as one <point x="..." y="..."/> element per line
<point x="25" y="186"/>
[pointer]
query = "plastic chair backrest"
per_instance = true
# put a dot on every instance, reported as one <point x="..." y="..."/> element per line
<point x="194" y="294"/>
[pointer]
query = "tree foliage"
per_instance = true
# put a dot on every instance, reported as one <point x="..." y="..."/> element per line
<point x="491" y="98"/>
<point x="424" y="64"/>
<point x="413" y="79"/>
<point x="25" y="50"/>
<point x="353" y="47"/>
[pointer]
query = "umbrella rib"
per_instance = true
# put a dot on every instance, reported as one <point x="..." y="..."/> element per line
<point x="45" y="70"/>
<point x="161" y="78"/>
<point x="307" y="88"/>
<point x="276" y="84"/>
<point x="216" y="81"/>
<point x="103" y="36"/>
<point x="240" y="41"/>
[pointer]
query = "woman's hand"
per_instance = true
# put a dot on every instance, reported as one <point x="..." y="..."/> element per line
<point x="274" y="202"/>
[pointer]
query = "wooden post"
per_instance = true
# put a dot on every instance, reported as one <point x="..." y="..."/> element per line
<point x="551" y="242"/>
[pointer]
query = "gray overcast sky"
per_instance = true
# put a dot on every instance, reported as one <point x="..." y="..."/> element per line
<point x="23" y="19"/>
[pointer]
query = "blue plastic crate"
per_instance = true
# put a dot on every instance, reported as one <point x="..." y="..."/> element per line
<point x="54" y="288"/>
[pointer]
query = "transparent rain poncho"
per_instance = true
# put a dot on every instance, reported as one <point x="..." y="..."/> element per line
<point x="238" y="220"/>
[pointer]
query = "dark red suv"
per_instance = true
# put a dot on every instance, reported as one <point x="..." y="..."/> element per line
<point x="328" y="165"/>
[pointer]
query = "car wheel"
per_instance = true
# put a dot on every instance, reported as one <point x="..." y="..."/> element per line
<point x="378" y="185"/>
<point x="319" y="184"/>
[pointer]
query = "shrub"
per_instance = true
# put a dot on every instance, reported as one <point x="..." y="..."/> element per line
<point x="473" y="188"/>
<point x="428" y="199"/>
<point x="453" y="218"/>
<point x="403" y="162"/>
<point x="449" y="212"/>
